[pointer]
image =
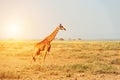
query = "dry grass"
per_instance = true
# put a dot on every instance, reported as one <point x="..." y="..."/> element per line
<point x="72" y="60"/>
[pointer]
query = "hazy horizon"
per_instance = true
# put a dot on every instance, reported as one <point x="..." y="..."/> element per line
<point x="36" y="19"/>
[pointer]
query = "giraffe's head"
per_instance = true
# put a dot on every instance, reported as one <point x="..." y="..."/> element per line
<point x="60" y="27"/>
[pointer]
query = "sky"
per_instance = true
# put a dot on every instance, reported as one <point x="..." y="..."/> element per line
<point x="36" y="19"/>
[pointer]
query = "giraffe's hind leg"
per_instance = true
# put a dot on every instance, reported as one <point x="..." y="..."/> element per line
<point x="35" y="54"/>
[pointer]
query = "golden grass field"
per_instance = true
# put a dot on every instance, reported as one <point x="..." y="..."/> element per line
<point x="69" y="60"/>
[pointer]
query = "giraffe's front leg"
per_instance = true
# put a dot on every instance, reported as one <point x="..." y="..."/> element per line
<point x="50" y="53"/>
<point x="47" y="49"/>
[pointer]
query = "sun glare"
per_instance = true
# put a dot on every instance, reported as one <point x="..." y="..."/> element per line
<point x="12" y="31"/>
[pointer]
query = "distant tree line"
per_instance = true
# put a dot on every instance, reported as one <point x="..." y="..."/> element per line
<point x="62" y="39"/>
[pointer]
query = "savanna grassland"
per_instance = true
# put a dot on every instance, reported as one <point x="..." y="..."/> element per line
<point x="68" y="60"/>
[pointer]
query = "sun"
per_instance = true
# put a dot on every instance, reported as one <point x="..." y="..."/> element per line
<point x="13" y="31"/>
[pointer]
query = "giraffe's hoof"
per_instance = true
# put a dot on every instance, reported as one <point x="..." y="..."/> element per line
<point x="34" y="59"/>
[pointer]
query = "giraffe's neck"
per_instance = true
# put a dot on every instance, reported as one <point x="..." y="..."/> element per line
<point x="52" y="35"/>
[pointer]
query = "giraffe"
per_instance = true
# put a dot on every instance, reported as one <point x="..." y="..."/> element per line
<point x="45" y="45"/>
